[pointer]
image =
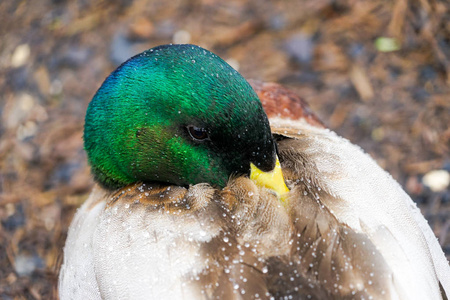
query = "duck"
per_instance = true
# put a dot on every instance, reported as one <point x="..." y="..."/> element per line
<point x="209" y="186"/>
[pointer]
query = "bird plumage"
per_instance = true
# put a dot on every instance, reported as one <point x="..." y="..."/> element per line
<point x="346" y="230"/>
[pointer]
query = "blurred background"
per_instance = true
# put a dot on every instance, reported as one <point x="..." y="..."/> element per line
<point x="377" y="72"/>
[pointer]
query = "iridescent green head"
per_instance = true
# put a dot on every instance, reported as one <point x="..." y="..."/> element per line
<point x="176" y="114"/>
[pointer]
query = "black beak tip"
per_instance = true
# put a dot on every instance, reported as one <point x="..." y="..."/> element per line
<point x="265" y="160"/>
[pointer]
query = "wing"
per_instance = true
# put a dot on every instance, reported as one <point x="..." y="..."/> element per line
<point x="358" y="232"/>
<point x="338" y="188"/>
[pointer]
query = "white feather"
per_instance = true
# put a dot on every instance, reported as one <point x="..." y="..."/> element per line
<point x="376" y="205"/>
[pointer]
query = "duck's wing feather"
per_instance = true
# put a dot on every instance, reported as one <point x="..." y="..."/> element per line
<point x="356" y="192"/>
<point x="384" y="243"/>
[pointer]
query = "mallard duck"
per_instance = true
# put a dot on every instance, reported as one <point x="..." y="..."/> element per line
<point x="205" y="192"/>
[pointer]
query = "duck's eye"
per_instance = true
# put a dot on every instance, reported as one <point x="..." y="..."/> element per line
<point x="197" y="133"/>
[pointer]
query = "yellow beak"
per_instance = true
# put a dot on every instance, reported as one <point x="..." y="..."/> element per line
<point x="272" y="180"/>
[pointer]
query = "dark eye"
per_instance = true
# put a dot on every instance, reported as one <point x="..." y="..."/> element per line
<point x="197" y="133"/>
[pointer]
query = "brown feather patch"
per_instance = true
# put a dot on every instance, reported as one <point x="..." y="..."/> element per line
<point x="170" y="198"/>
<point x="281" y="102"/>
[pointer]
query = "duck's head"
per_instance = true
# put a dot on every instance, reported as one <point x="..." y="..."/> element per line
<point x="176" y="114"/>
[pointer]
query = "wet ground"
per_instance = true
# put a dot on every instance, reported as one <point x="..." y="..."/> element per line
<point x="376" y="72"/>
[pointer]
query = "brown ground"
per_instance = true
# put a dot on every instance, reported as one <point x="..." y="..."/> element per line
<point x="396" y="105"/>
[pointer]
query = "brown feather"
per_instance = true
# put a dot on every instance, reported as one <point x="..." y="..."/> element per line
<point x="281" y="102"/>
